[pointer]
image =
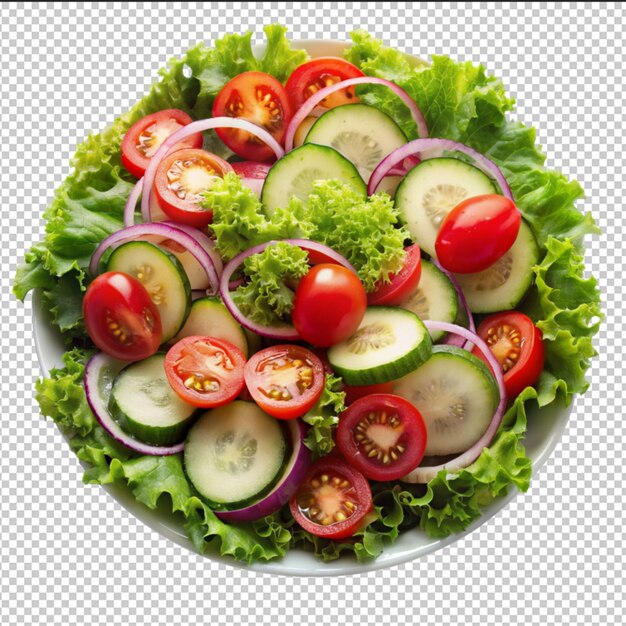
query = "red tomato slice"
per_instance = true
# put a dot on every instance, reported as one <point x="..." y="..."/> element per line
<point x="180" y="181"/>
<point x="121" y="318"/>
<point x="402" y="284"/>
<point x="145" y="137"/>
<point x="518" y="345"/>
<point x="205" y="371"/>
<point x="285" y="380"/>
<point x="332" y="500"/>
<point x="251" y="169"/>
<point x="355" y="392"/>
<point x="261" y="99"/>
<point x="310" y="77"/>
<point x="383" y="436"/>
<point x="477" y="232"/>
<point x="329" y="305"/>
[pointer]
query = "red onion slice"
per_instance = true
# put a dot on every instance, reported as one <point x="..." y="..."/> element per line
<point x="431" y="149"/>
<point x="192" y="129"/>
<point x="131" y="203"/>
<point x="306" y="109"/>
<point x="100" y="372"/>
<point x="287" y="485"/>
<point x="204" y="240"/>
<point x="158" y="229"/>
<point x="427" y="473"/>
<point x="285" y="331"/>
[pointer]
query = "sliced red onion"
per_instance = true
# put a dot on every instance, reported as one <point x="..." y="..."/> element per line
<point x="431" y="149"/>
<point x="306" y="109"/>
<point x="158" y="229"/>
<point x="427" y="473"/>
<point x="407" y="165"/>
<point x="131" y="203"/>
<point x="192" y="129"/>
<point x="100" y="372"/>
<point x="204" y="240"/>
<point x="285" y="331"/>
<point x="287" y="485"/>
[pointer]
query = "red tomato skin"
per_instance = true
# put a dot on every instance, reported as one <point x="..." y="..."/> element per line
<point x="329" y="305"/>
<point x="477" y="232"/>
<point x="115" y="297"/>
<point x="135" y="162"/>
<point x="402" y="284"/>
<point x="251" y="169"/>
<point x="356" y="392"/>
<point x="249" y="83"/>
<point x="232" y="386"/>
<point x="321" y="68"/>
<point x="340" y="530"/>
<point x="285" y="410"/>
<point x="529" y="366"/>
<point x="414" y="436"/>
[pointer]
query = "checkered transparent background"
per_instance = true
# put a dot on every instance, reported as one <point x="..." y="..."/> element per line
<point x="71" y="555"/>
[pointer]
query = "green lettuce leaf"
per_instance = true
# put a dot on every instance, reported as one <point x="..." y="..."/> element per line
<point x="324" y="417"/>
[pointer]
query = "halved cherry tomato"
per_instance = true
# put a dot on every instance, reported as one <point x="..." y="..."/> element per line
<point x="329" y="305"/>
<point x="517" y="344"/>
<point x="383" y="436"/>
<point x="121" y="318"/>
<point x="251" y="169"/>
<point x="180" y="181"/>
<point x="332" y="500"/>
<point x="285" y="380"/>
<point x="261" y="99"/>
<point x="205" y="371"/>
<point x="310" y="77"/>
<point x="476" y="233"/>
<point x="355" y="392"/>
<point x="402" y="284"/>
<point x="144" y="138"/>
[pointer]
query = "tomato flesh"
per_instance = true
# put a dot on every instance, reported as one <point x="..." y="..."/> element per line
<point x="205" y="371"/>
<point x="309" y="78"/>
<point x="285" y="381"/>
<point x="144" y="138"/>
<point x="180" y="181"/>
<point x="476" y="233"/>
<point x="332" y="500"/>
<point x="258" y="98"/>
<point x="402" y="284"/>
<point x="329" y="305"/>
<point x="121" y="318"/>
<point x="517" y="344"/>
<point x="383" y="436"/>
<point x="355" y="392"/>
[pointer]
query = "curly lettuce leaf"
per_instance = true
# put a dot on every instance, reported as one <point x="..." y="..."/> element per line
<point x="266" y="296"/>
<point x="324" y="417"/>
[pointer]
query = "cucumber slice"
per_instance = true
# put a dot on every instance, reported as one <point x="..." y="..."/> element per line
<point x="294" y="174"/>
<point x="209" y="317"/>
<point x="234" y="454"/>
<point x="431" y="190"/>
<point x="389" y="343"/>
<point x="363" y="134"/>
<point x="434" y="299"/>
<point x="162" y="275"/>
<point x="504" y="284"/>
<point x="456" y="394"/>
<point x="146" y="407"/>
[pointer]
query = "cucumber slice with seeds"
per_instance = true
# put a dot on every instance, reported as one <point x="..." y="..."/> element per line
<point x="434" y="299"/>
<point x="295" y="173"/>
<point x="209" y="317"/>
<point x="234" y="454"/>
<point x="503" y="285"/>
<point x="162" y="275"/>
<point x="390" y="342"/>
<point x="431" y="190"/>
<point x="456" y="394"/>
<point x="363" y="134"/>
<point x="146" y="407"/>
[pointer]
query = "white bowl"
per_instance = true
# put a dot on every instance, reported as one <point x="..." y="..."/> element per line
<point x="544" y="431"/>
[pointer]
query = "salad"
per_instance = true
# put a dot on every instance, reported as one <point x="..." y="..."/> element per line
<point x="312" y="300"/>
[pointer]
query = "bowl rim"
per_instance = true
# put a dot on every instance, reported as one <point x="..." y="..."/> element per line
<point x="47" y="341"/>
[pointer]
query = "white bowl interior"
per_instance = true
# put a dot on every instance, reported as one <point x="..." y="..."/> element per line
<point x="544" y="432"/>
